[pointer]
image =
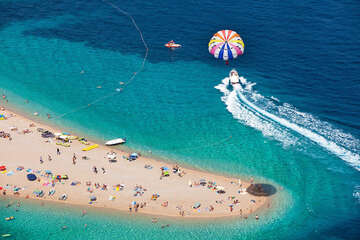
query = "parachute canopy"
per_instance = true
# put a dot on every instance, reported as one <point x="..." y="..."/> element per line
<point x="226" y="45"/>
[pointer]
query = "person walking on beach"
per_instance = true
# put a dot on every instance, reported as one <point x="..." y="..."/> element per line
<point x="49" y="158"/>
<point x="41" y="160"/>
<point x="58" y="151"/>
<point x="74" y="159"/>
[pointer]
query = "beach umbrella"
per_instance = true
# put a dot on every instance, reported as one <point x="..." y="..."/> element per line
<point x="2" y="168"/>
<point x="196" y="205"/>
<point x="31" y="177"/>
<point x="226" y="45"/>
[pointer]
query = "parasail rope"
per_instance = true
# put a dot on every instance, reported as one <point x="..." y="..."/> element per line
<point x="141" y="68"/>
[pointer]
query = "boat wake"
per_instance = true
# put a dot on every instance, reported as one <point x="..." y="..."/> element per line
<point x="285" y="123"/>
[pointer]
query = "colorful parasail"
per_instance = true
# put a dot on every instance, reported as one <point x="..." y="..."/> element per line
<point x="226" y="45"/>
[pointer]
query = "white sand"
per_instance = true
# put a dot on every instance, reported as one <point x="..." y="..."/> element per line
<point x="25" y="150"/>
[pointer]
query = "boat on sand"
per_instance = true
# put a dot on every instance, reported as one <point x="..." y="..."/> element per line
<point x="115" y="141"/>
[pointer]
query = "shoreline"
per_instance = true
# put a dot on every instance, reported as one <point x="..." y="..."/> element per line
<point x="168" y="192"/>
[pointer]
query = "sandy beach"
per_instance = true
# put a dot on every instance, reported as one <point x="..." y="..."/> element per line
<point x="121" y="184"/>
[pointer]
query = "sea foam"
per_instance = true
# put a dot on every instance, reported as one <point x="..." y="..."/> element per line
<point x="281" y="121"/>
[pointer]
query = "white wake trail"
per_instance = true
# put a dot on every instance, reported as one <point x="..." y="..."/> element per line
<point x="237" y="104"/>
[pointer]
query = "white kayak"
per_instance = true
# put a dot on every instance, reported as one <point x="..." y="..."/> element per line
<point x="115" y="141"/>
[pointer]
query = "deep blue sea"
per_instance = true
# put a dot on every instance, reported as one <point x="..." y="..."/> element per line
<point x="294" y="124"/>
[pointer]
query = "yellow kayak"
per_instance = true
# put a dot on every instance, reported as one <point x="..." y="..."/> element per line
<point x="83" y="141"/>
<point x="63" y="144"/>
<point x="72" y="137"/>
<point x="90" y="147"/>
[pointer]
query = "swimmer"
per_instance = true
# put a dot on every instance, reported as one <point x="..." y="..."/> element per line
<point x="64" y="227"/>
<point x="164" y="226"/>
<point x="83" y="213"/>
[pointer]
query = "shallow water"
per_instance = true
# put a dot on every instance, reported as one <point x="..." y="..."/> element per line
<point x="302" y="56"/>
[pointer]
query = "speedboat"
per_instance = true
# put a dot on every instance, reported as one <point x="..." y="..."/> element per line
<point x="115" y="141"/>
<point x="172" y="45"/>
<point x="234" y="77"/>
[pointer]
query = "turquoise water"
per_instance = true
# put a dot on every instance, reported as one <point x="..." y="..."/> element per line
<point x="306" y="74"/>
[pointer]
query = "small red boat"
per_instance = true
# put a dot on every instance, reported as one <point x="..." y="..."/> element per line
<point x="172" y="45"/>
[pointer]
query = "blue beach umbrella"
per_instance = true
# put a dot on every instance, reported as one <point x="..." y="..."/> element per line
<point x="31" y="177"/>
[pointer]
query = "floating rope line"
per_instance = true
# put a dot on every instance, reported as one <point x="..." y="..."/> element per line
<point x="118" y="90"/>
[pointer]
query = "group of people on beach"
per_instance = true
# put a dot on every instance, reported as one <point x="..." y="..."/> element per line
<point x="139" y="190"/>
<point x="136" y="206"/>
